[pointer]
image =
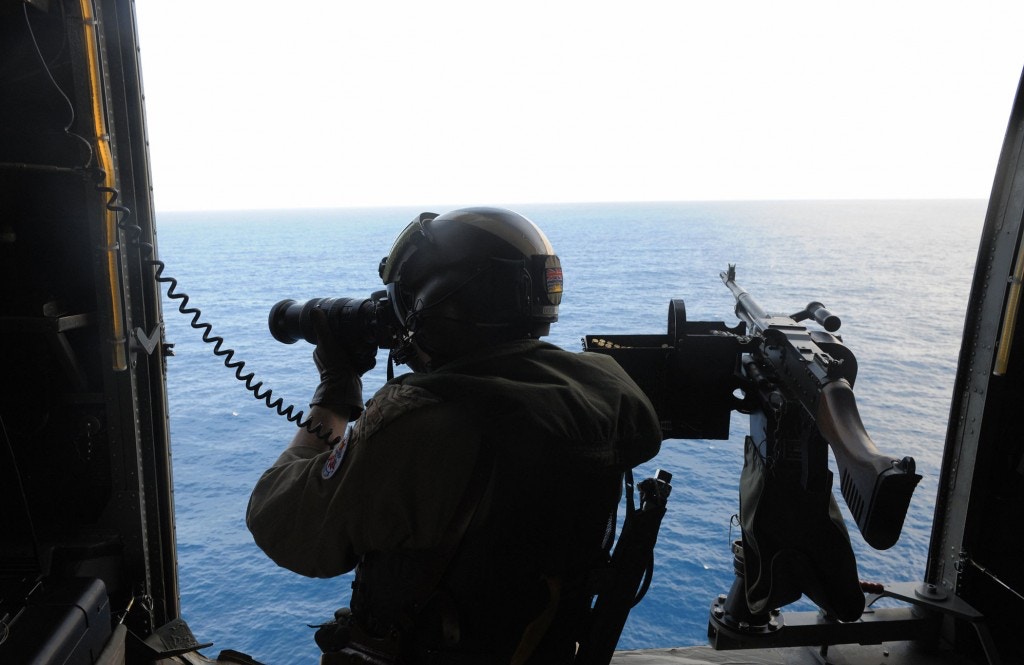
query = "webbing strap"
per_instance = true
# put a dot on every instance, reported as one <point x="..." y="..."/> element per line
<point x="536" y="629"/>
<point x="480" y="478"/>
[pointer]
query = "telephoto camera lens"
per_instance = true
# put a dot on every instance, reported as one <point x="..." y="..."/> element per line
<point x="357" y="322"/>
<point x="290" y="321"/>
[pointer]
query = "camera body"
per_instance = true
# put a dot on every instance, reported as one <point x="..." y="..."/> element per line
<point x="357" y="322"/>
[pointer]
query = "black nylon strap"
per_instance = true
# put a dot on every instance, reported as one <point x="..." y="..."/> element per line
<point x="480" y="478"/>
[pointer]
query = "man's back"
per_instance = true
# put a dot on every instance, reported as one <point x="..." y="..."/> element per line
<point x="557" y="429"/>
<point x="552" y="432"/>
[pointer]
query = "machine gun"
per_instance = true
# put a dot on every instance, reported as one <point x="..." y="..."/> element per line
<point x="815" y="369"/>
<point x="796" y="384"/>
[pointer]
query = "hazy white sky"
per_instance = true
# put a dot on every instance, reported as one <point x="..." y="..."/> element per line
<point x="255" y="104"/>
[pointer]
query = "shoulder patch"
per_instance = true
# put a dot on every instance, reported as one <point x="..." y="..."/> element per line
<point x="336" y="457"/>
<point x="390" y="402"/>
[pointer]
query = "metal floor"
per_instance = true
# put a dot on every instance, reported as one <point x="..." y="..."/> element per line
<point x="894" y="653"/>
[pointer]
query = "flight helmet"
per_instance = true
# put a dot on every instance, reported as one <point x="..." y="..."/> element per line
<point x="472" y="277"/>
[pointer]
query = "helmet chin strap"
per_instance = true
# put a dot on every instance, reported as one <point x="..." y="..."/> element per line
<point x="399" y="355"/>
<point x="408" y="353"/>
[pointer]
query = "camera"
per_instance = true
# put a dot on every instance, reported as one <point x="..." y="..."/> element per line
<point x="357" y="322"/>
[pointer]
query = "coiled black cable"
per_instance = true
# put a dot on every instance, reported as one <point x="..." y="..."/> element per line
<point x="134" y="234"/>
<point x="146" y="250"/>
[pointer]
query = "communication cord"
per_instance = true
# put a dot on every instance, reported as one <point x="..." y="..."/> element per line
<point x="134" y="233"/>
<point x="117" y="216"/>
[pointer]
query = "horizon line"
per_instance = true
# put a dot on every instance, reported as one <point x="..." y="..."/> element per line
<point x="507" y="204"/>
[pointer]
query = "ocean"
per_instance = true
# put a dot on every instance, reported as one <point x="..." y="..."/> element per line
<point x="898" y="273"/>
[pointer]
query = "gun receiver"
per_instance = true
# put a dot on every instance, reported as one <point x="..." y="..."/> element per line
<point x="817" y="370"/>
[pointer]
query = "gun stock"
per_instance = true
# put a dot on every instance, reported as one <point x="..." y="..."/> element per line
<point x="877" y="488"/>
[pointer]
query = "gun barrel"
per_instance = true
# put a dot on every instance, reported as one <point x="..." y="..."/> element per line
<point x="746" y="307"/>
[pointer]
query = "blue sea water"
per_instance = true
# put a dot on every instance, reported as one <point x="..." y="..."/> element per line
<point x="897" y="272"/>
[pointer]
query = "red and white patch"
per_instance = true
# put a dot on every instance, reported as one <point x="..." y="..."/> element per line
<point x="553" y="279"/>
<point x="334" y="460"/>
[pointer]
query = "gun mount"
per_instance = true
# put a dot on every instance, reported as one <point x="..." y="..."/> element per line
<point x="796" y="385"/>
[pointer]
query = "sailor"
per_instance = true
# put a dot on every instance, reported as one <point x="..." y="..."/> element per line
<point x="473" y="496"/>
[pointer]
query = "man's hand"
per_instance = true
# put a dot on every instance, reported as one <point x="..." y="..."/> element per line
<point x="340" y="389"/>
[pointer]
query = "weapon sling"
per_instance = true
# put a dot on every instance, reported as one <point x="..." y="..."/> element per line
<point x="632" y="566"/>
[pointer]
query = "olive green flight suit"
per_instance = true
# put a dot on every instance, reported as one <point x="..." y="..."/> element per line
<point x="558" y="429"/>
